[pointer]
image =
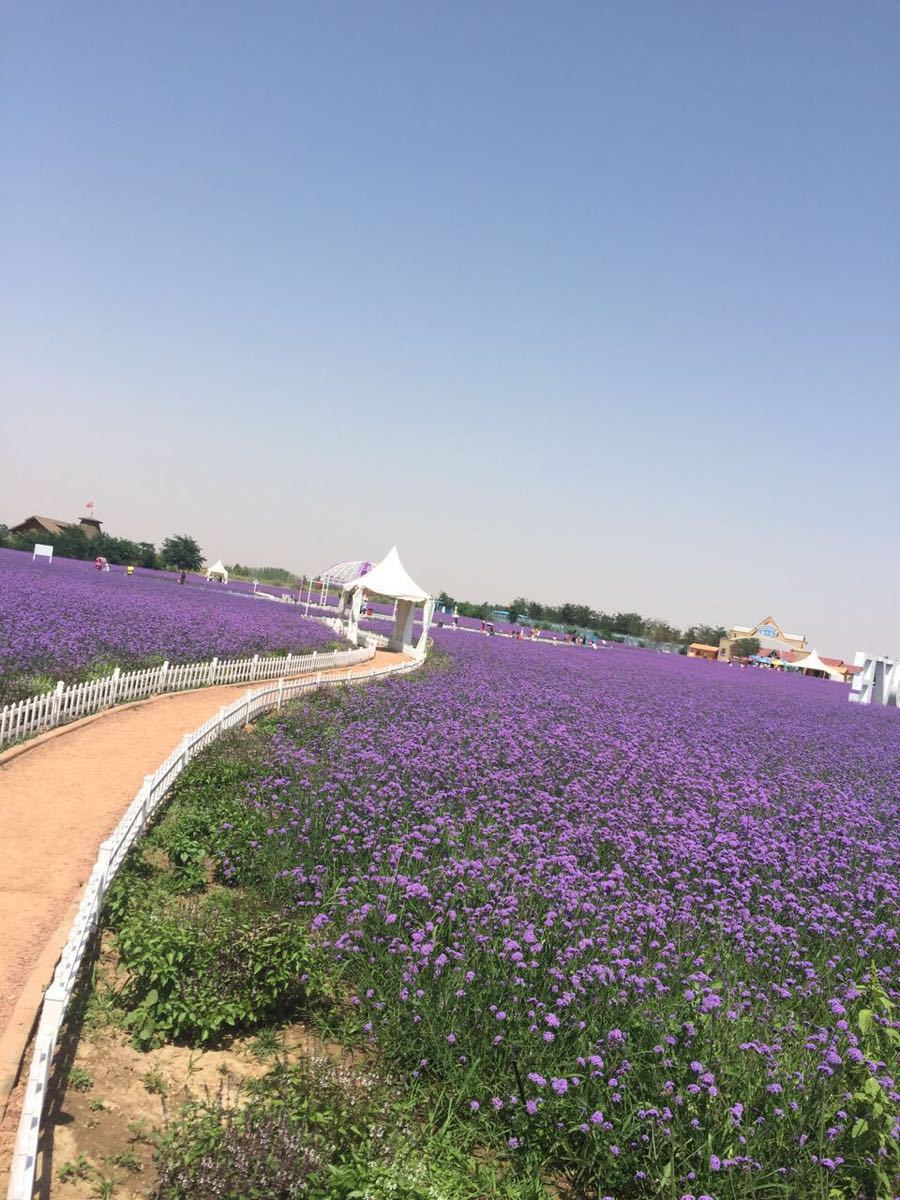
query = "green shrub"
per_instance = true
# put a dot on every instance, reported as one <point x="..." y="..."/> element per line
<point x="204" y="967"/>
<point x="79" y="1079"/>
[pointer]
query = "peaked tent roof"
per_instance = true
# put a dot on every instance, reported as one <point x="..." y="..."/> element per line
<point x="216" y="569"/>
<point x="812" y="662"/>
<point x="390" y="578"/>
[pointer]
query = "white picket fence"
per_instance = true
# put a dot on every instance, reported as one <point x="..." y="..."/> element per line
<point x="110" y="858"/>
<point x="40" y="713"/>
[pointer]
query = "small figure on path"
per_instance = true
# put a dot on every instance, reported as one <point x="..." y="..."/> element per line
<point x="182" y="577"/>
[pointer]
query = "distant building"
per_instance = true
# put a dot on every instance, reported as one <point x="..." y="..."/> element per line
<point x="701" y="650"/>
<point x="768" y="633"/>
<point x="41" y="525"/>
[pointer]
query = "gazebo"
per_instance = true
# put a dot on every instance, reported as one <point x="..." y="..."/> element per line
<point x="217" y="571"/>
<point x="390" y="578"/>
<point x="340" y="575"/>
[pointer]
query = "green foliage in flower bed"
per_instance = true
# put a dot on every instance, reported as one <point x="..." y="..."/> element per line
<point x="207" y="966"/>
<point x="202" y="962"/>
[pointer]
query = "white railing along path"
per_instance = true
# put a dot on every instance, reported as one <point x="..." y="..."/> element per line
<point x="110" y="858"/>
<point x="37" y="714"/>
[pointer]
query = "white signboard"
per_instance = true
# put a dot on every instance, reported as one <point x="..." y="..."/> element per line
<point x="42" y="552"/>
<point x="877" y="682"/>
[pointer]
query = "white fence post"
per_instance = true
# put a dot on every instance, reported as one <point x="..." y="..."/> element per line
<point x="211" y="673"/>
<point x="164" y="676"/>
<point x="146" y="808"/>
<point x="57" y="701"/>
<point x="114" y="686"/>
<point x="254" y="670"/>
<point x="102" y="867"/>
<point x="280" y="693"/>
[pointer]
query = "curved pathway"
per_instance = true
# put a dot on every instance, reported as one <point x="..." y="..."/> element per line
<point x="60" y="796"/>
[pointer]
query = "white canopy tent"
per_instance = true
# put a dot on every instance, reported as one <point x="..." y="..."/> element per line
<point x="813" y="665"/>
<point x="217" y="571"/>
<point x="391" y="579"/>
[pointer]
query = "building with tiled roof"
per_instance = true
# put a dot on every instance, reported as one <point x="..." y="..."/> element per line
<point x="52" y="525"/>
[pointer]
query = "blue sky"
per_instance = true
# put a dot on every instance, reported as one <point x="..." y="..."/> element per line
<point x="585" y="301"/>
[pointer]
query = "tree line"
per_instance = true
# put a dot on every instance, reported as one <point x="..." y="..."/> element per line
<point x="274" y="575"/>
<point x="177" y="553"/>
<point x="575" y="617"/>
<point x="181" y="552"/>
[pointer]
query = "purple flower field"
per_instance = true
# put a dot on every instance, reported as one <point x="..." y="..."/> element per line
<point x="61" y="620"/>
<point x="630" y="918"/>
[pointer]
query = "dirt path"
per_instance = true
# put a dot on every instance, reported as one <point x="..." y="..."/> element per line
<point x="58" y="801"/>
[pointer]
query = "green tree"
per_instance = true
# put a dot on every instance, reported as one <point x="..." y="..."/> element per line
<point x="71" y="543"/>
<point x="120" y="550"/>
<point x="744" y="647"/>
<point x="584" y="616"/>
<point x="182" y="553"/>
<point x="517" y="609"/>
<point x="661" y="631"/>
<point x="481" y="612"/>
<point x="630" y="623"/>
<point x="707" y="635"/>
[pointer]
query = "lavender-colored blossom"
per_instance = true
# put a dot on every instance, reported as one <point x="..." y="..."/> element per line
<point x="60" y="619"/>
<point x="577" y="840"/>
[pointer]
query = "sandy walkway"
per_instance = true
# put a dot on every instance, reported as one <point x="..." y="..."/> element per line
<point x="58" y="801"/>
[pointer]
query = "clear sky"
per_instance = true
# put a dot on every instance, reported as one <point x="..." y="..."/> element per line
<point x="587" y="301"/>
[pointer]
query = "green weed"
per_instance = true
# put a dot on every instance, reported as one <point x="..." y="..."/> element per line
<point x="80" y="1080"/>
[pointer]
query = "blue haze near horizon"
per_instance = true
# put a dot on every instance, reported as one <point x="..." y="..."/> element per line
<point x="589" y="302"/>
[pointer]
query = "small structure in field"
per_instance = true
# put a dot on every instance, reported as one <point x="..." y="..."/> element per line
<point x="390" y="579"/>
<point x="338" y="576"/>
<point x="217" y="571"/>
<point x="811" y="664"/>
<point x="701" y="650"/>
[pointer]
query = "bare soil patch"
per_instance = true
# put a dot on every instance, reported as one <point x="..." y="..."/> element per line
<point x="105" y="1129"/>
